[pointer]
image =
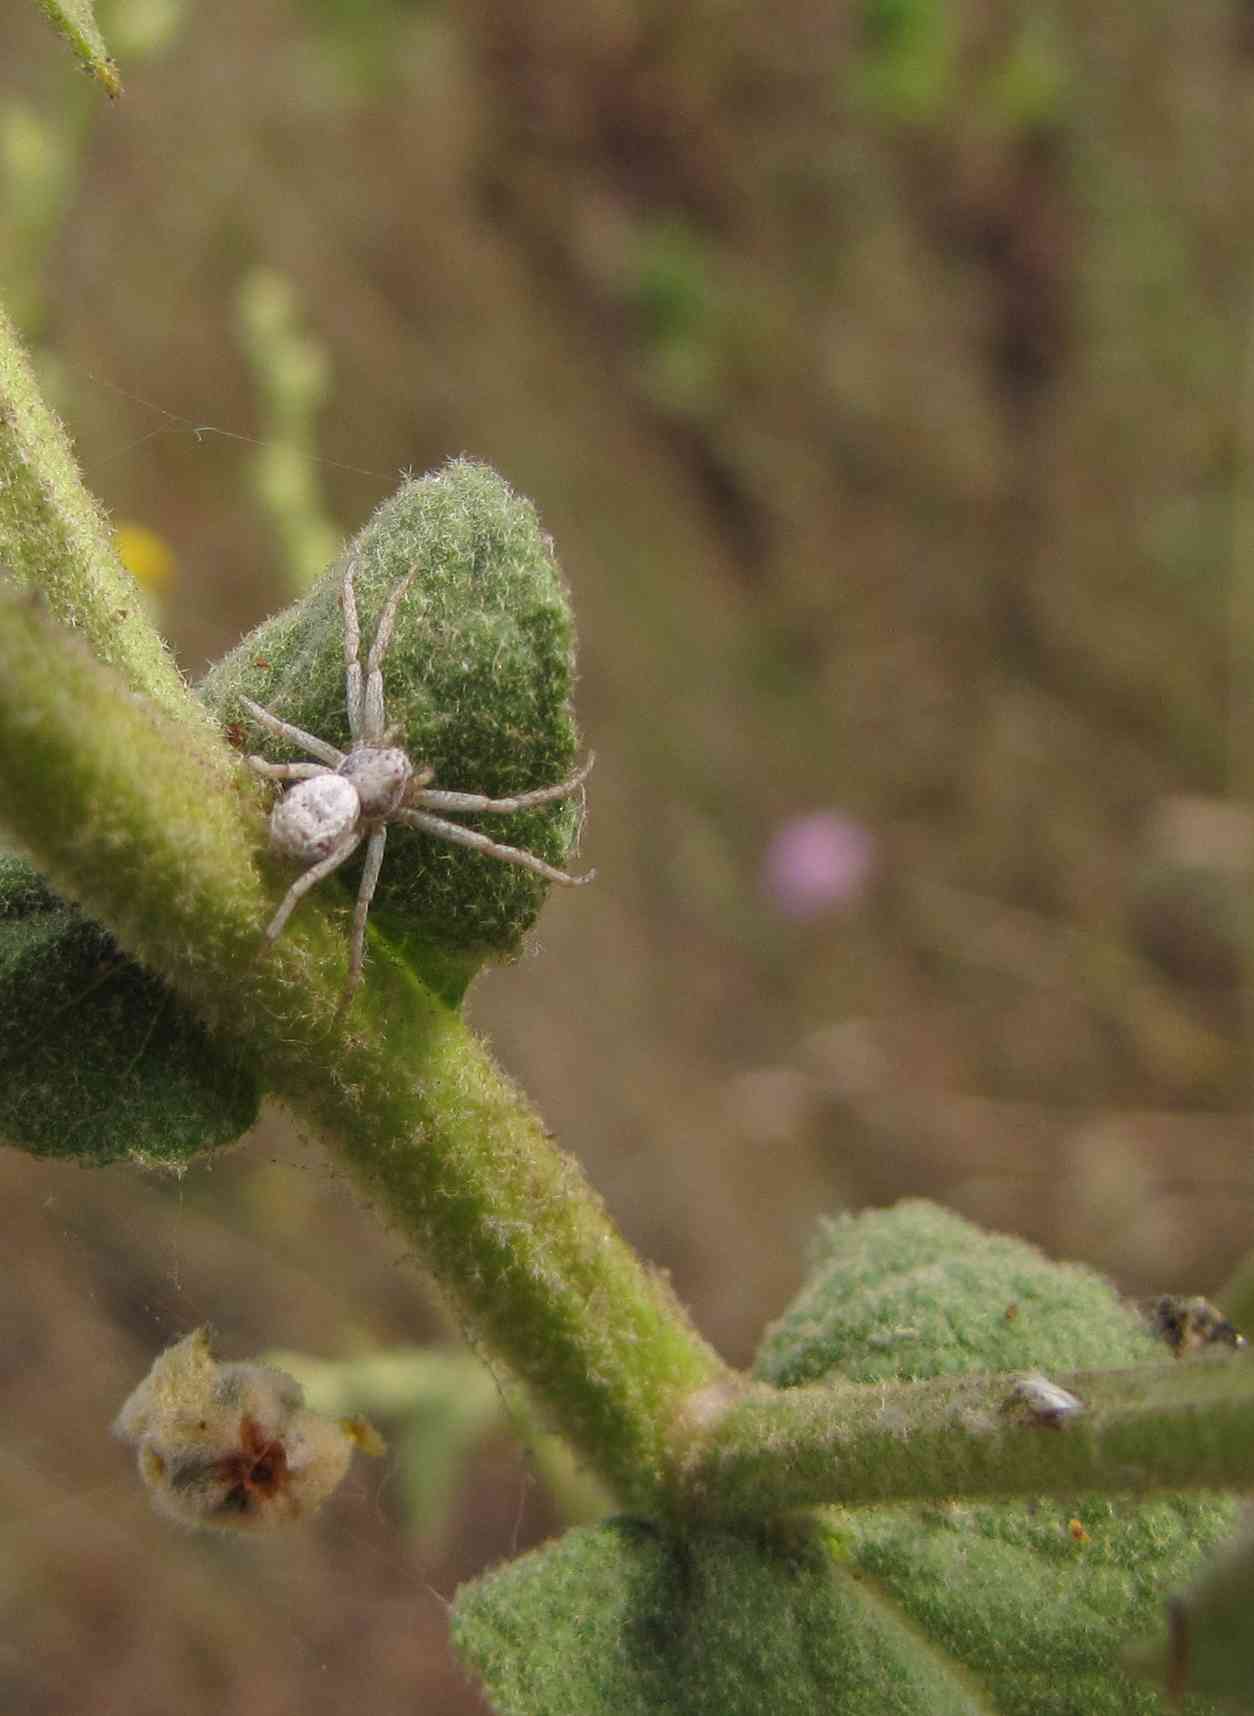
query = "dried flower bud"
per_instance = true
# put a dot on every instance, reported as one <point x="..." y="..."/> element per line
<point x="233" y="1446"/>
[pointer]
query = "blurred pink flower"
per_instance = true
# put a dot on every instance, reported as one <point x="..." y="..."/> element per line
<point x="817" y="863"/>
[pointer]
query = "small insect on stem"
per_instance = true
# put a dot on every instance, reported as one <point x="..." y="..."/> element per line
<point x="343" y="799"/>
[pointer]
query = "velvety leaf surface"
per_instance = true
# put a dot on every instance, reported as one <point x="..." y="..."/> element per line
<point x="97" y="1059"/>
<point x="619" y="1620"/>
<point x="477" y="683"/>
<point x="915" y="1291"/>
<point x="1038" y="1600"/>
<point x="1020" y="1609"/>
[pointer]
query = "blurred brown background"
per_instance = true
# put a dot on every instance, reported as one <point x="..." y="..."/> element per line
<point x="878" y="367"/>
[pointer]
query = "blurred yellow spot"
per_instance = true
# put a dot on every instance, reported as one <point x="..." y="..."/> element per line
<point x="364" y="1434"/>
<point x="147" y="557"/>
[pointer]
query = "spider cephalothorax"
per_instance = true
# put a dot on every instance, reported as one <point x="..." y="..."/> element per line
<point x="348" y="797"/>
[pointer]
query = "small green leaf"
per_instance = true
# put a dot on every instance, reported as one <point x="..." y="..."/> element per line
<point x="622" y="1620"/>
<point x="74" y="20"/>
<point x="477" y="683"/>
<point x="915" y="1291"/>
<point x="98" y="1060"/>
<point x="1036" y="1600"/>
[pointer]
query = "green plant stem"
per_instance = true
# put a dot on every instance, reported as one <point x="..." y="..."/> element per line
<point x="123" y="810"/>
<point x="1168" y="1426"/>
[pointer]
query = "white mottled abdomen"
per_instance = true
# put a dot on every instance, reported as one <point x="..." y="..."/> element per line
<point x="312" y="817"/>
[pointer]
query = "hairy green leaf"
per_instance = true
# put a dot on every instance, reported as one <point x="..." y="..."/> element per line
<point x="1023" y="1610"/>
<point x="477" y="684"/>
<point x="478" y="681"/>
<point x="98" y="1060"/>
<point x="624" y="1620"/>
<point x="1036" y="1600"/>
<point x="915" y="1291"/>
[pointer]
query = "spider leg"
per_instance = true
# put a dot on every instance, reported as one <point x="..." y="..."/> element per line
<point x="352" y="651"/>
<point x="480" y="843"/>
<point x="294" y="735"/>
<point x="373" y="720"/>
<point x="369" y="880"/>
<point x="309" y="879"/>
<point x="468" y="801"/>
<point x="287" y="771"/>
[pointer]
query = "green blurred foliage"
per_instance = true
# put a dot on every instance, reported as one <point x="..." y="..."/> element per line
<point x="293" y="379"/>
<point x="435" y="1408"/>
<point x="37" y="177"/>
<point x="908" y="71"/>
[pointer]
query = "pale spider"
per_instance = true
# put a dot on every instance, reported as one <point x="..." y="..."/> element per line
<point x="345" y="799"/>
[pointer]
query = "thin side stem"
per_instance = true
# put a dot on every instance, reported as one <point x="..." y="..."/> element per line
<point x="1168" y="1426"/>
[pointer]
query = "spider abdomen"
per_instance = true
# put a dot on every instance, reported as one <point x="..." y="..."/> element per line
<point x="310" y="820"/>
<point x="379" y="775"/>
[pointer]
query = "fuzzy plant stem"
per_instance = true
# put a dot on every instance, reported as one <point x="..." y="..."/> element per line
<point x="1168" y="1426"/>
<point x="123" y="811"/>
